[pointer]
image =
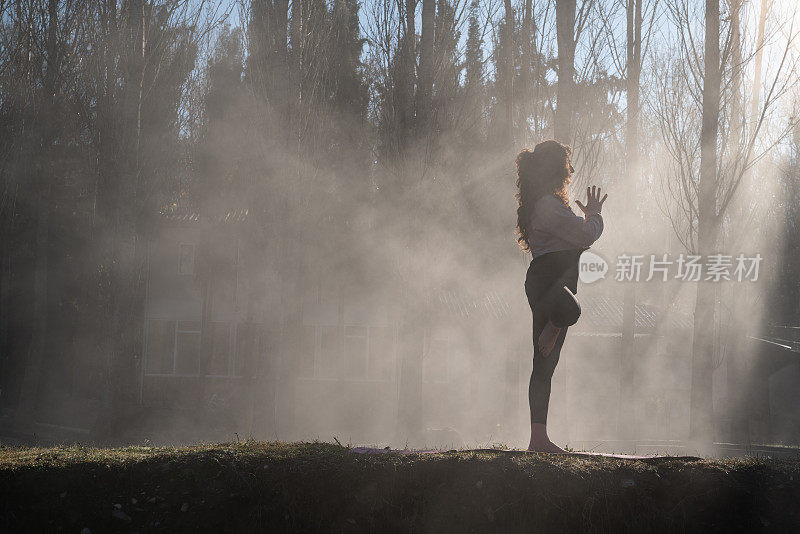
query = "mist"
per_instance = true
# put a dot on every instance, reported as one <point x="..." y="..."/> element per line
<point x="296" y="221"/>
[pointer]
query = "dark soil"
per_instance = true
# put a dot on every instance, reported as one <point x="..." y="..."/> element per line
<point x="277" y="487"/>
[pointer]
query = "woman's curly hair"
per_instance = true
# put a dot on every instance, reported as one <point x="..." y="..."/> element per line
<point x="541" y="171"/>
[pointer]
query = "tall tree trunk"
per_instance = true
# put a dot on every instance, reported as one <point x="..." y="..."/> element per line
<point x="759" y="60"/>
<point x="5" y="299"/>
<point x="104" y="205"/>
<point x="737" y="407"/>
<point x="283" y="72"/>
<point x="632" y="151"/>
<point x="701" y="425"/>
<point x="737" y="118"/>
<point x="407" y="83"/>
<point x="297" y="88"/>
<point x="29" y="393"/>
<point x="425" y="88"/>
<point x="411" y="32"/>
<point x="123" y="200"/>
<point x="565" y="35"/>
<point x="508" y="90"/>
<point x="281" y="30"/>
<point x="527" y="65"/>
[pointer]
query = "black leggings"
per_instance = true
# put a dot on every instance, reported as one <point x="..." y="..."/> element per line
<point x="551" y="284"/>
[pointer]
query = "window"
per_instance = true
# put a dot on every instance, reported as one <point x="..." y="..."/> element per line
<point x="187" y="353"/>
<point x="355" y="351"/>
<point x="160" y="346"/>
<point x="173" y="347"/>
<point x="349" y="352"/>
<point x="330" y="352"/>
<point x="186" y="259"/>
<point x="220" y="339"/>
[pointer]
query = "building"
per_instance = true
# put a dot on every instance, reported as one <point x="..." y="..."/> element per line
<point x="332" y="361"/>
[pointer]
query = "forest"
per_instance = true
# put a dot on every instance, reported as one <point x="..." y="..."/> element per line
<point x="372" y="143"/>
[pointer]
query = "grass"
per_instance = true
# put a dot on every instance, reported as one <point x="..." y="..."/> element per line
<point x="282" y="487"/>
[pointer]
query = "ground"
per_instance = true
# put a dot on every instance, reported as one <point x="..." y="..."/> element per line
<point x="257" y="486"/>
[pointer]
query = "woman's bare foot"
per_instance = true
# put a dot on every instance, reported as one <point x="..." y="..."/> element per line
<point x="539" y="440"/>
<point x="547" y="339"/>
<point x="547" y="446"/>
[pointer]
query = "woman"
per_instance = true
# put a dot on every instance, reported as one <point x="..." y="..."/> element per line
<point x="555" y="237"/>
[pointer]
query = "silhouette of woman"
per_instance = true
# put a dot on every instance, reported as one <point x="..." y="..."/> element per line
<point x="555" y="236"/>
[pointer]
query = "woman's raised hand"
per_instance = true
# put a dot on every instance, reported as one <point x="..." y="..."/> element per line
<point x="593" y="203"/>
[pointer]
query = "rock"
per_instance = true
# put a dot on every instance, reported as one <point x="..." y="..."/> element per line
<point x="86" y="530"/>
<point x="118" y="506"/>
<point x="119" y="514"/>
<point x="184" y="507"/>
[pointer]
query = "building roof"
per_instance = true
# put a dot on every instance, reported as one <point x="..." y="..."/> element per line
<point x="599" y="314"/>
<point x="486" y="305"/>
<point x="603" y="314"/>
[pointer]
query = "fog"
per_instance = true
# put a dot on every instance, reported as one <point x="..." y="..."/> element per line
<point x="296" y="221"/>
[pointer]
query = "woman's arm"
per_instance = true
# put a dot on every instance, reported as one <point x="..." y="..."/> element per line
<point x="557" y="219"/>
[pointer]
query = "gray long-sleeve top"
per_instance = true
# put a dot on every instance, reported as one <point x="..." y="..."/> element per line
<point x="555" y="227"/>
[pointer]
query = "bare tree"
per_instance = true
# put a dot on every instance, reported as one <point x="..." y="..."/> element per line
<point x="565" y="28"/>
<point x="633" y="12"/>
<point x="703" y="194"/>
